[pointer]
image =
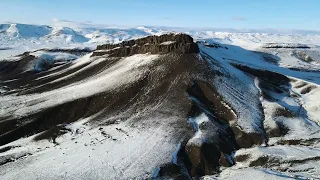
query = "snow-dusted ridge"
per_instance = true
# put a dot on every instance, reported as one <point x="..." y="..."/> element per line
<point x="229" y="108"/>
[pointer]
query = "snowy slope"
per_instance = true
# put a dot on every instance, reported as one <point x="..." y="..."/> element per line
<point x="24" y="31"/>
<point x="294" y="104"/>
<point x="241" y="105"/>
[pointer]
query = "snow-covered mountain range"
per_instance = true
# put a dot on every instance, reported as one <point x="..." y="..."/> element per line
<point x="166" y="103"/>
<point x="18" y="38"/>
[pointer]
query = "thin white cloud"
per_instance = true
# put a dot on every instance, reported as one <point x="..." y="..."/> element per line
<point x="72" y="24"/>
<point x="82" y="24"/>
<point x="237" y="18"/>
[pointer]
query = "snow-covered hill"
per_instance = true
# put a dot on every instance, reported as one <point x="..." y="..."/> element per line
<point x="18" y="38"/>
<point x="24" y="31"/>
<point x="220" y="105"/>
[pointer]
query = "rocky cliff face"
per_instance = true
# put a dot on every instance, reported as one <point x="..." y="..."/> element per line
<point x="167" y="43"/>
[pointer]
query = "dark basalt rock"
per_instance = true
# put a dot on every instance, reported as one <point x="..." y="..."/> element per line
<point x="287" y="46"/>
<point x="206" y="157"/>
<point x="167" y="43"/>
<point x="170" y="171"/>
<point x="308" y="89"/>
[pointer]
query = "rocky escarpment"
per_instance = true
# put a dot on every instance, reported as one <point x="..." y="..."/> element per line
<point x="167" y="43"/>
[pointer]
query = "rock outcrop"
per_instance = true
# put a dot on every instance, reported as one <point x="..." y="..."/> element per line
<point x="167" y="43"/>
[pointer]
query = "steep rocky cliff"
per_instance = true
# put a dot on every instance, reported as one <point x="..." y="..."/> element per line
<point x="167" y="43"/>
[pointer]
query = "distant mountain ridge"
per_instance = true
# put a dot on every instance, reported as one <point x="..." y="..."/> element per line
<point x="24" y="30"/>
<point x="17" y="38"/>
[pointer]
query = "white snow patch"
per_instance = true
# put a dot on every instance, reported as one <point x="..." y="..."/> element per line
<point x="198" y="138"/>
<point x="167" y="42"/>
<point x="54" y="56"/>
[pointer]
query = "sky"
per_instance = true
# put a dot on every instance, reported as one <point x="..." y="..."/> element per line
<point x="239" y="14"/>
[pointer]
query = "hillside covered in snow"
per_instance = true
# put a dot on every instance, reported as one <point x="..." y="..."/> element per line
<point x="158" y="103"/>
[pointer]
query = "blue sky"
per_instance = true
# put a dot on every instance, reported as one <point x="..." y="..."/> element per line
<point x="249" y="14"/>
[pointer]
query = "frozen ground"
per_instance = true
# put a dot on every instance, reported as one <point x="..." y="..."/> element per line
<point x="268" y="82"/>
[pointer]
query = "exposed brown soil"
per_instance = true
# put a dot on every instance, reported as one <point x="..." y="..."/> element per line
<point x="17" y="75"/>
<point x="7" y="148"/>
<point x="221" y="111"/>
<point x="246" y="140"/>
<point x="304" y="142"/>
<point x="308" y="89"/>
<point x="287" y="46"/>
<point x="171" y="171"/>
<point x="75" y="51"/>
<point x="271" y="77"/>
<point x="264" y="161"/>
<point x="242" y="157"/>
<point x="268" y="57"/>
<point x="206" y="158"/>
<point x="52" y="133"/>
<point x="14" y="69"/>
<point x="300" y="85"/>
<point x="284" y="112"/>
<point x="302" y="56"/>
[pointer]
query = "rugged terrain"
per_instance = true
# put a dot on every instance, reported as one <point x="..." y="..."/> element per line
<point x="161" y="107"/>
